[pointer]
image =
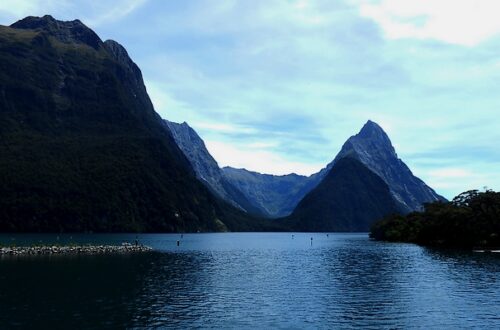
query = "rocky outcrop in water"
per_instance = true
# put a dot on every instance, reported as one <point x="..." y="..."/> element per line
<point x="76" y="249"/>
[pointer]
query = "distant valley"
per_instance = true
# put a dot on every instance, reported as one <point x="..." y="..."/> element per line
<point x="371" y="154"/>
<point x="83" y="150"/>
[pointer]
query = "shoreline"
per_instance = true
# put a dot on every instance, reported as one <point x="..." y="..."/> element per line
<point x="76" y="249"/>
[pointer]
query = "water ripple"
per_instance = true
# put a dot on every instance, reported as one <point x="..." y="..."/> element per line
<point x="264" y="280"/>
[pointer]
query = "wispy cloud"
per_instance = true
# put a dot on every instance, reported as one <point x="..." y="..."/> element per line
<point x="464" y="22"/>
<point x="246" y="156"/>
<point x="297" y="78"/>
<point x="92" y="13"/>
<point x="111" y="11"/>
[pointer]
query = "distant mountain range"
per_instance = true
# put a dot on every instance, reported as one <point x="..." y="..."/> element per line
<point x="206" y="168"/>
<point x="296" y="196"/>
<point x="82" y="149"/>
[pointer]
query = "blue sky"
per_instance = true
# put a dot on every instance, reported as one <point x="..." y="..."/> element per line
<point x="278" y="86"/>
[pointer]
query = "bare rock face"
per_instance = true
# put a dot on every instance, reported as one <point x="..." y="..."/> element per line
<point x="278" y="195"/>
<point x="206" y="168"/>
<point x="64" y="31"/>
<point x="372" y="147"/>
<point x="275" y="195"/>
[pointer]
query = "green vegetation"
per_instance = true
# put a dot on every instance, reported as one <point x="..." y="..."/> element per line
<point x="472" y="219"/>
<point x="82" y="149"/>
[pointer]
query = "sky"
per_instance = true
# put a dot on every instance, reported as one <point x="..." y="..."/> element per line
<point x="278" y="86"/>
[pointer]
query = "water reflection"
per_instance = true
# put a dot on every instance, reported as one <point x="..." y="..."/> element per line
<point x="248" y="280"/>
<point x="88" y="291"/>
<point x="171" y="291"/>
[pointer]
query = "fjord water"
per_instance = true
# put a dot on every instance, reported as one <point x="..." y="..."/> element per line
<point x="243" y="280"/>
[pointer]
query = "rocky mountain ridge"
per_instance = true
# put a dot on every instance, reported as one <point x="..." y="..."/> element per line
<point x="278" y="195"/>
<point x="372" y="147"/>
<point x="206" y="168"/>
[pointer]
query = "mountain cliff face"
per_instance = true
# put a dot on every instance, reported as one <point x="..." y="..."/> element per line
<point x="365" y="182"/>
<point x="372" y="147"/>
<point x="82" y="148"/>
<point x="349" y="198"/>
<point x="277" y="196"/>
<point x="206" y="168"/>
<point x="274" y="195"/>
<point x="259" y="194"/>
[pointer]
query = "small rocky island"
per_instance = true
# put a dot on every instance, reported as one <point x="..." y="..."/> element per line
<point x="73" y="249"/>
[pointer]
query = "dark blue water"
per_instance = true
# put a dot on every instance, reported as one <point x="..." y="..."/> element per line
<point x="250" y="280"/>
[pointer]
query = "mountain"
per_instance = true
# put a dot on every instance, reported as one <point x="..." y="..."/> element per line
<point x="274" y="195"/>
<point x="372" y="147"/>
<point x="365" y="182"/>
<point x="259" y="194"/>
<point x="349" y="198"/>
<point x="82" y="148"/>
<point x="277" y="196"/>
<point x="206" y="168"/>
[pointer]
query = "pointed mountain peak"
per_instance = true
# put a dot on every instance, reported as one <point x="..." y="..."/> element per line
<point x="65" y="31"/>
<point x="372" y="130"/>
<point x="371" y="126"/>
<point x="374" y="149"/>
<point x="370" y="140"/>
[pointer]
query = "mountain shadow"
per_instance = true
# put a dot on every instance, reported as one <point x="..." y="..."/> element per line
<point x="81" y="146"/>
<point x="350" y="198"/>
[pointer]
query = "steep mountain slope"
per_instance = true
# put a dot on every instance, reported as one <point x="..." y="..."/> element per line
<point x="206" y="168"/>
<point x="275" y="195"/>
<point x="258" y="194"/>
<point x="349" y="198"/>
<point x="81" y="147"/>
<point x="374" y="149"/>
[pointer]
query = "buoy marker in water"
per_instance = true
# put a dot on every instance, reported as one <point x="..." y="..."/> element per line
<point x="178" y="243"/>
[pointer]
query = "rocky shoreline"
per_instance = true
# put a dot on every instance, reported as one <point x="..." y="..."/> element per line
<point x="76" y="249"/>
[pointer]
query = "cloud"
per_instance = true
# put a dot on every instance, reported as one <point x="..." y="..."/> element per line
<point x="244" y="156"/>
<point x="464" y="22"/>
<point x="452" y="181"/>
<point x="450" y="173"/>
<point x="18" y="8"/>
<point x="295" y="79"/>
<point x="92" y="13"/>
<point x="165" y="104"/>
<point x="110" y="11"/>
<point x="222" y="127"/>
